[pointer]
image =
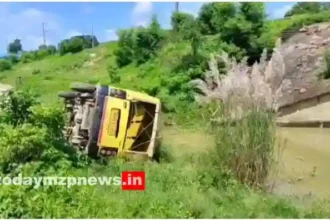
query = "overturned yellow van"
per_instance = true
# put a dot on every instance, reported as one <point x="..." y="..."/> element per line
<point x="109" y="121"/>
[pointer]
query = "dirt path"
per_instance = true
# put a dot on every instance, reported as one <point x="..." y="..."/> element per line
<point x="5" y="88"/>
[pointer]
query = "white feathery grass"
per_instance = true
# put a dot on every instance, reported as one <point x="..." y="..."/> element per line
<point x="245" y="87"/>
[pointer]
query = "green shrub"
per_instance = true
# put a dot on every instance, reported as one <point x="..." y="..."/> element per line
<point x="113" y="74"/>
<point x="28" y="57"/>
<point x="48" y="77"/>
<point x="13" y="59"/>
<point x="62" y="46"/>
<point x="21" y="144"/>
<point x="36" y="71"/>
<point x="126" y="46"/>
<point x="89" y="40"/>
<point x="213" y="16"/>
<point x="75" y="44"/>
<point x="15" y="108"/>
<point x="148" y="41"/>
<point x="51" y="49"/>
<point x="182" y="22"/>
<point x="5" y="65"/>
<point x="139" y="44"/>
<point x="42" y="53"/>
<point x="39" y="54"/>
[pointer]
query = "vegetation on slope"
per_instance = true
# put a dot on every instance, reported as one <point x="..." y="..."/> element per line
<point x="217" y="183"/>
<point x="194" y="185"/>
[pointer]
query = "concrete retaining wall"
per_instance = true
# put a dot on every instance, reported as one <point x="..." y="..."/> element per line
<point x="306" y="103"/>
<point x="305" y="124"/>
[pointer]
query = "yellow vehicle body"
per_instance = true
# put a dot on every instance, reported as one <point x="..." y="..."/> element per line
<point x="114" y="124"/>
<point x="122" y="122"/>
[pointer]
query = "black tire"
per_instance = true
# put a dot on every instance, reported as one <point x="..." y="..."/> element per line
<point x="83" y="87"/>
<point x="68" y="95"/>
<point x="92" y="149"/>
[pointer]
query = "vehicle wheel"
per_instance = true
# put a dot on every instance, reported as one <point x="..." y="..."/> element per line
<point x="83" y="87"/>
<point x="68" y="95"/>
<point x="91" y="148"/>
<point x="87" y="96"/>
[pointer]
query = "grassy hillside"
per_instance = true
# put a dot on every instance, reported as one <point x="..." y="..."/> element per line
<point x="55" y="73"/>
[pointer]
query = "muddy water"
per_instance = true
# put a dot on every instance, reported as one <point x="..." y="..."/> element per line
<point x="302" y="149"/>
<point x="304" y="166"/>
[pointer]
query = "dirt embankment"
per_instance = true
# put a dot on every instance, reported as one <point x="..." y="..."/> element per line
<point x="304" y="61"/>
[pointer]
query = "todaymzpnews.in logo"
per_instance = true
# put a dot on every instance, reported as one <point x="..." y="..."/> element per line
<point x="129" y="180"/>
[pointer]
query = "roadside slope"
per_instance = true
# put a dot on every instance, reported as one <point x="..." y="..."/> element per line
<point x="55" y="73"/>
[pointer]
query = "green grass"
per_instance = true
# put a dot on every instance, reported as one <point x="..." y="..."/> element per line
<point x="57" y="72"/>
<point x="194" y="185"/>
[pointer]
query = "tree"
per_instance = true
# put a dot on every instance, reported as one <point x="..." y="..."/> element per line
<point x="72" y="45"/>
<point x="213" y="16"/>
<point x="51" y="49"/>
<point x="254" y="12"/>
<point x="42" y="47"/>
<point x="45" y="50"/>
<point x="15" y="46"/>
<point x="76" y="45"/>
<point x="126" y="46"/>
<point x="181" y="20"/>
<point x="306" y="7"/>
<point x="41" y="54"/>
<point x="139" y="44"/>
<point x="88" y="40"/>
<point x="148" y="41"/>
<point x="185" y="25"/>
<point x="205" y="18"/>
<point x="245" y="29"/>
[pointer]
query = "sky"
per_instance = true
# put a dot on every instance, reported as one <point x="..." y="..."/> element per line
<point x="64" y="19"/>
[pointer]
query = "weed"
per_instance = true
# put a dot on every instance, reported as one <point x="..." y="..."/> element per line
<point x="246" y="146"/>
<point x="5" y="65"/>
<point x="15" y="108"/>
<point x="36" y="71"/>
<point x="326" y="73"/>
<point x="113" y="74"/>
<point x="48" y="78"/>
